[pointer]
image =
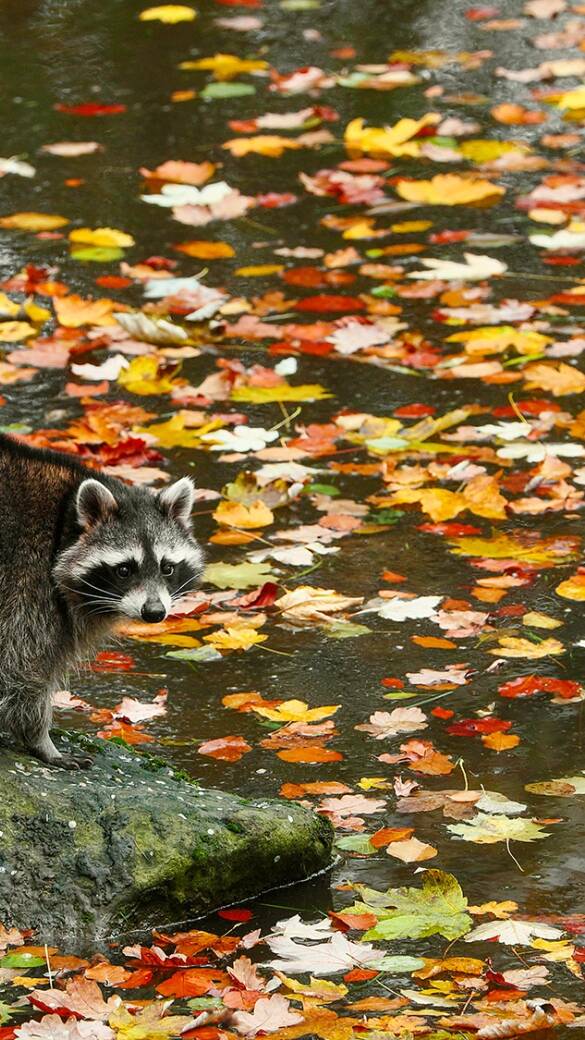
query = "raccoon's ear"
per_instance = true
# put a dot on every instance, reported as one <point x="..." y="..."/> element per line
<point x="94" y="503"/>
<point x="176" y="501"/>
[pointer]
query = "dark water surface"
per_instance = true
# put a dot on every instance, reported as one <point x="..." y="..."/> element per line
<point x="70" y="52"/>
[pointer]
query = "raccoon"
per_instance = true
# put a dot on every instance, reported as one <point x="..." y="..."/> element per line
<point x="78" y="551"/>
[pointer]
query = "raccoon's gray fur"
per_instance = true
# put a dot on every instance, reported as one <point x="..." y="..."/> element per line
<point x="78" y="550"/>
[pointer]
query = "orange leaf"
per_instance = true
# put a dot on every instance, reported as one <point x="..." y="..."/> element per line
<point x="433" y="642"/>
<point x="500" y="741"/>
<point x="307" y="754"/>
<point x="202" y="250"/>
<point x="319" y="787"/>
<point x="361" y="922"/>
<point x="359" y="975"/>
<point x="227" y="749"/>
<point x="232" y="537"/>
<point x="193" y="982"/>
<point x="387" y="834"/>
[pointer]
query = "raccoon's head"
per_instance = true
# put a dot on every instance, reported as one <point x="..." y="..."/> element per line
<point x="135" y="555"/>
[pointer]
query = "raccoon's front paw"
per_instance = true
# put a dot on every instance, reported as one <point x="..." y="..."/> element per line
<point x="73" y="761"/>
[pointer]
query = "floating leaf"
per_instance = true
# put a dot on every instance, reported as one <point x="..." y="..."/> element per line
<point x="170" y="14"/>
<point x="487" y="830"/>
<point x="225" y="66"/>
<point x="284" y="392"/>
<point x="29" y="221"/>
<point x="237" y="575"/>
<point x="449" y="189"/>
<point x="438" y="907"/>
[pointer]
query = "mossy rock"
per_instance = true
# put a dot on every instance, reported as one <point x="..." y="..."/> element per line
<point x="130" y="843"/>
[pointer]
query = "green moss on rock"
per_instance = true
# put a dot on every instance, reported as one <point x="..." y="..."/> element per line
<point x="131" y="843"/>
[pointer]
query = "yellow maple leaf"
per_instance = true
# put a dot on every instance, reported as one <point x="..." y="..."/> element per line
<point x="73" y="311"/>
<point x="373" y="783"/>
<point x="31" y="221"/>
<point x="235" y="637"/>
<point x="236" y="514"/>
<point x="101" y="236"/>
<point x="482" y="151"/>
<point x="496" y="339"/>
<point x="225" y="66"/>
<point x="13" y="331"/>
<point x="499" y="910"/>
<point x="448" y="189"/>
<point x="387" y="140"/>
<point x="296" y="711"/>
<point x="481" y="496"/>
<point x="284" y="392"/>
<point x="271" y="145"/>
<point x="177" y="432"/>
<point x="170" y="14"/>
<point x="511" y="646"/>
<point x="558" y="379"/>
<point x="142" y="377"/>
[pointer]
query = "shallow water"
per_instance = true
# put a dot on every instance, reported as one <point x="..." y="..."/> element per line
<point x="66" y="53"/>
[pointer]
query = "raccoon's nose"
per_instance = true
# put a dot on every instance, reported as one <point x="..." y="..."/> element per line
<point x="153" y="611"/>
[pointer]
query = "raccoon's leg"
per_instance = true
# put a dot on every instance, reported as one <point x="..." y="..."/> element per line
<point x="37" y="738"/>
<point x="28" y="715"/>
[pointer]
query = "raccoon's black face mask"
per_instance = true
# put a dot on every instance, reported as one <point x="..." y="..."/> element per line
<point x="135" y="555"/>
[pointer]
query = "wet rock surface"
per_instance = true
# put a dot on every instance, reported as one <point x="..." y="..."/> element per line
<point x="130" y="842"/>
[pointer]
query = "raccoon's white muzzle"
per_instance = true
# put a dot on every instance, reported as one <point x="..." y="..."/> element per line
<point x="146" y="605"/>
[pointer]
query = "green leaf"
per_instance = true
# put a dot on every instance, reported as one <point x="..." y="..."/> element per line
<point x="237" y="575"/>
<point x="385" y="516"/>
<point x="356" y="843"/>
<point x="346" y="630"/>
<point x="384" y="292"/>
<point x="300" y="5"/>
<point x="21" y="960"/>
<point x="203" y="1003"/>
<point x="321" y="489"/>
<point x="198" y="654"/>
<point x="438" y="908"/>
<point x="5" y="1012"/>
<point x="400" y="965"/>
<point x="98" y="254"/>
<point x="217" y="91"/>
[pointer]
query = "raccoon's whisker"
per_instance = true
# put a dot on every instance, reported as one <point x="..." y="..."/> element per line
<point x="113" y="597"/>
<point x="189" y="581"/>
<point x="96" y="588"/>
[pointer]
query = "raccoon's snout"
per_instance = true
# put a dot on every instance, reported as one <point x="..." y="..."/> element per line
<point x="153" y="610"/>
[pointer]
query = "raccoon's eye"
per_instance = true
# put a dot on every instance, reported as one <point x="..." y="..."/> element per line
<point x="123" y="570"/>
<point x="167" y="569"/>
